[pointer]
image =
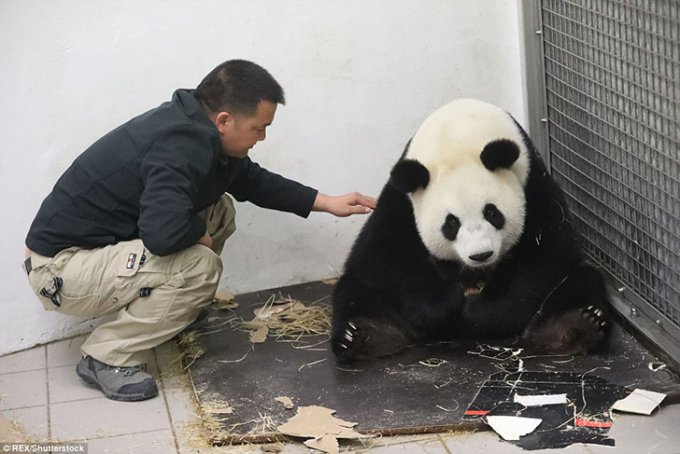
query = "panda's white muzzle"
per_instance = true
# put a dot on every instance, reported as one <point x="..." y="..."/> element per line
<point x="478" y="245"/>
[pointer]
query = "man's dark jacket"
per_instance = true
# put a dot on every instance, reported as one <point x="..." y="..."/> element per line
<point x="148" y="178"/>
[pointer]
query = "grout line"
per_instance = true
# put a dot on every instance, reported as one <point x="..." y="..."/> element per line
<point x="49" y="407"/>
<point x="104" y="437"/>
<point x="165" y="401"/>
<point x="2" y="374"/>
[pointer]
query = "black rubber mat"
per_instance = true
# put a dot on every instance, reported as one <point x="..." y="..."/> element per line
<point x="424" y="389"/>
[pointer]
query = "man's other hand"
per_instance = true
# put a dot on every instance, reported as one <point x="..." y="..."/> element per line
<point x="205" y="240"/>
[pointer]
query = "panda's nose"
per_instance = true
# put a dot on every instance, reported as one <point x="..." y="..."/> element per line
<point x="481" y="257"/>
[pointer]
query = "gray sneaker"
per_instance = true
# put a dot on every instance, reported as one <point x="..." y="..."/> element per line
<point x="117" y="383"/>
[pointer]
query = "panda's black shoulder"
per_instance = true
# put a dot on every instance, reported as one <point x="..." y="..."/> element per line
<point x="391" y="223"/>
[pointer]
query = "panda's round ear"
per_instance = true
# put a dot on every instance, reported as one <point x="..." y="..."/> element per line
<point x="408" y="175"/>
<point x="499" y="154"/>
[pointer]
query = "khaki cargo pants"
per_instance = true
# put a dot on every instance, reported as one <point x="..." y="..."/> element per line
<point x="154" y="297"/>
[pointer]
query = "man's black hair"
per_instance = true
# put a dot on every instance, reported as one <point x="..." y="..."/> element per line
<point x="238" y="86"/>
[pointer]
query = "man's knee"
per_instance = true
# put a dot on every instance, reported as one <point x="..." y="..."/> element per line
<point x="202" y="263"/>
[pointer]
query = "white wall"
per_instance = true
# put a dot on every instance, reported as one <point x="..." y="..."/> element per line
<point x="359" y="77"/>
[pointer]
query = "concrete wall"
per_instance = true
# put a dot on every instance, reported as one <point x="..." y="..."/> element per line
<point x="359" y="78"/>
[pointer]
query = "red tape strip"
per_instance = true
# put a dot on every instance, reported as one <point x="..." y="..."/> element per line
<point x="586" y="423"/>
<point x="476" y="412"/>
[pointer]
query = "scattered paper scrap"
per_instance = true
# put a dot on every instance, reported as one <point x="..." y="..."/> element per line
<point x="512" y="427"/>
<point x="541" y="399"/>
<point x="640" y="401"/>
<point x="287" y="403"/>
<point x="259" y="331"/>
<point x="224" y="295"/>
<point x="326" y="443"/>
<point x="225" y="300"/>
<point x="319" y="423"/>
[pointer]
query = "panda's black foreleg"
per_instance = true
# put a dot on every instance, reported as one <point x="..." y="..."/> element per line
<point x="574" y="317"/>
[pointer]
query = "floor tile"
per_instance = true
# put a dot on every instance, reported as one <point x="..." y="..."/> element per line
<point x="31" y="359"/>
<point x="430" y="444"/>
<point x="97" y="418"/>
<point x="65" y="352"/>
<point x="181" y="406"/>
<point x="490" y="442"/>
<point x="160" y="442"/>
<point x="23" y="389"/>
<point x="33" y="421"/>
<point x="657" y="433"/>
<point x="65" y="385"/>
<point x="174" y="383"/>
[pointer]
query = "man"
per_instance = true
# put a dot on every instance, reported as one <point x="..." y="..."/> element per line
<point x="137" y="224"/>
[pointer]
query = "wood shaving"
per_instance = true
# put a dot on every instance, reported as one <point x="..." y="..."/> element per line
<point x="288" y="319"/>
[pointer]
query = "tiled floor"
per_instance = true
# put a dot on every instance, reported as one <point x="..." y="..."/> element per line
<point x="40" y="391"/>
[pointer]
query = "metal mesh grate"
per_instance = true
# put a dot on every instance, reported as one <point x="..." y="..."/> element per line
<point x="612" y="74"/>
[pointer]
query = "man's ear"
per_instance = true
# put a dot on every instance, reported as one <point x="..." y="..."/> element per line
<point x="499" y="154"/>
<point x="221" y="120"/>
<point x="408" y="175"/>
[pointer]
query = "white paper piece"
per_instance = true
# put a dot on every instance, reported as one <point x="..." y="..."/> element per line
<point x="541" y="399"/>
<point x="640" y="401"/>
<point x="512" y="427"/>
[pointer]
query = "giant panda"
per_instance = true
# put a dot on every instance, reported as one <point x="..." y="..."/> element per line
<point x="470" y="239"/>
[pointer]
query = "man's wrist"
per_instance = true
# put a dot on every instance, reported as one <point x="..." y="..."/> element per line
<point x="320" y="202"/>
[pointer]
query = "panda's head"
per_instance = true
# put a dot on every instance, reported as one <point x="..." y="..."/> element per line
<point x="467" y="188"/>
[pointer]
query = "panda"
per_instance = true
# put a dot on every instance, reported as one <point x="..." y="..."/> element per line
<point x="470" y="239"/>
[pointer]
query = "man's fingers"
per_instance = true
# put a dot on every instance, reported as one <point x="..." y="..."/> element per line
<point x="363" y="200"/>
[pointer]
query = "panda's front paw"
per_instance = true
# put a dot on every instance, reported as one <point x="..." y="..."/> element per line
<point x="595" y="317"/>
<point x="362" y="338"/>
<point x="346" y="340"/>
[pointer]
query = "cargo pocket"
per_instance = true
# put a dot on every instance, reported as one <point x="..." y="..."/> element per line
<point x="138" y="272"/>
<point x="39" y="279"/>
<point x="128" y="260"/>
<point x="59" y="289"/>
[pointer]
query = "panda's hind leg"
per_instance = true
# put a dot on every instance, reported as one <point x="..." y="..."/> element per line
<point x="576" y="318"/>
<point x="363" y="338"/>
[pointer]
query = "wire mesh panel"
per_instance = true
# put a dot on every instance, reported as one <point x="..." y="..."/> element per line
<point x="612" y="80"/>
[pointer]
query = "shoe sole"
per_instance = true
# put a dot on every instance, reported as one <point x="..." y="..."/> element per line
<point x="86" y="375"/>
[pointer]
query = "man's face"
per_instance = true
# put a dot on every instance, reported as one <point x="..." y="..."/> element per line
<point x="239" y="133"/>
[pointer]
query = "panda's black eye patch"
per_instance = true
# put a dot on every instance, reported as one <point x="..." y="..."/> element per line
<point x="450" y="227"/>
<point x="494" y="216"/>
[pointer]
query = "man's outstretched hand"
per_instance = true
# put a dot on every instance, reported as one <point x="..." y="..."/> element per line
<point x="344" y="205"/>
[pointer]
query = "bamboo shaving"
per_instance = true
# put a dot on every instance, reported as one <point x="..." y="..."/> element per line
<point x="286" y="319"/>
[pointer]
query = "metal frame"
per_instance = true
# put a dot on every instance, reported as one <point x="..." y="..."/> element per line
<point x="534" y="77"/>
<point x="643" y="316"/>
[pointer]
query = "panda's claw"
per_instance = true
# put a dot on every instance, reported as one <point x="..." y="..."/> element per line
<point x="352" y="325"/>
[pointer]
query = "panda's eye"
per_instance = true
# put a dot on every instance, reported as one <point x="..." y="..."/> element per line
<point x="450" y="227"/>
<point x="452" y="221"/>
<point x="494" y="216"/>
